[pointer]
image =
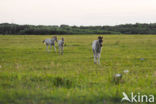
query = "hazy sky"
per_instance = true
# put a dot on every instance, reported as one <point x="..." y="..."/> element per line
<point x="77" y="12"/>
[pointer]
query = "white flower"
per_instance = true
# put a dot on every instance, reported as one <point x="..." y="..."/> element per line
<point x="118" y="75"/>
<point x="141" y="58"/>
<point x="126" y="71"/>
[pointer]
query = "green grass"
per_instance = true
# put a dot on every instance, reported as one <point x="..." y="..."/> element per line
<point x="31" y="75"/>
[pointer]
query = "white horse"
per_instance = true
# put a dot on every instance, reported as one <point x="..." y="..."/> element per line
<point x="97" y="47"/>
<point x="50" y="42"/>
<point x="60" y="45"/>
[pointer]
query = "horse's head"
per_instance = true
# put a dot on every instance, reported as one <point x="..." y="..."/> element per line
<point x="100" y="38"/>
<point x="62" y="39"/>
<point x="55" y="38"/>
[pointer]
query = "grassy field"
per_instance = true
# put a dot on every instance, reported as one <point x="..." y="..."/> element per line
<point x="31" y="75"/>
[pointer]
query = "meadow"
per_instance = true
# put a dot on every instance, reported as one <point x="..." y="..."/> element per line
<point x="31" y="75"/>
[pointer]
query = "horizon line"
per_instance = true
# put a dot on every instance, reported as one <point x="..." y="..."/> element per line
<point x="79" y="25"/>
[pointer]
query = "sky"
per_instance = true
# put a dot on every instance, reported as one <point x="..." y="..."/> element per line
<point x="77" y="12"/>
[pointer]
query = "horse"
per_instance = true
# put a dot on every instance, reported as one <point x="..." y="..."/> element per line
<point x="50" y="42"/>
<point x="97" y="48"/>
<point x="61" y="45"/>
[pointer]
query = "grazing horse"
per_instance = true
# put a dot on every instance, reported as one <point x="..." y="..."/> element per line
<point x="60" y="45"/>
<point x="97" y="47"/>
<point x="50" y="42"/>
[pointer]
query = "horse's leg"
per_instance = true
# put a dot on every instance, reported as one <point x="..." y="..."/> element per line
<point x="50" y="47"/>
<point x="98" y="58"/>
<point x="94" y="53"/>
<point x="55" y="48"/>
<point x="59" y="49"/>
<point x="62" y="50"/>
<point x="47" y="47"/>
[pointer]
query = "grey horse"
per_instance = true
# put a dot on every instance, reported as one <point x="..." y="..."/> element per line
<point x="60" y="45"/>
<point x="97" y="47"/>
<point x="50" y="42"/>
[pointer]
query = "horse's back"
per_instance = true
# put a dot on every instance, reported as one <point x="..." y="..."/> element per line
<point x="49" y="42"/>
<point x="94" y="44"/>
<point x="60" y="43"/>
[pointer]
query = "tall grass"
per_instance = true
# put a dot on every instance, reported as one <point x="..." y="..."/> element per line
<point x="31" y="75"/>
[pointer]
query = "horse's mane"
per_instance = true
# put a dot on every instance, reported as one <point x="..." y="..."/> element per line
<point x="54" y="37"/>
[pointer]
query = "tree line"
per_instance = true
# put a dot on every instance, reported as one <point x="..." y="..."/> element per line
<point x="138" y="28"/>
